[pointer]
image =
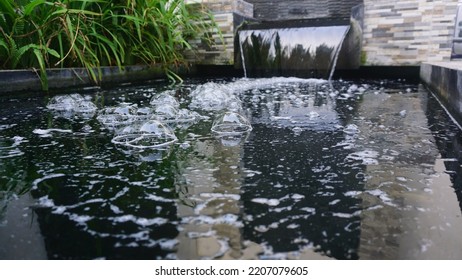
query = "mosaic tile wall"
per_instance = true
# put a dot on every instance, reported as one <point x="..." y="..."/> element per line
<point x="398" y="32"/>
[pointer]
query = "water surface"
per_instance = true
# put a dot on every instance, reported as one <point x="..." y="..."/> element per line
<point x="352" y="170"/>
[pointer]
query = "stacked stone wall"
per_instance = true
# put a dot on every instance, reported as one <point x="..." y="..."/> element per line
<point x="398" y="32"/>
<point x="228" y="14"/>
<point x="395" y="32"/>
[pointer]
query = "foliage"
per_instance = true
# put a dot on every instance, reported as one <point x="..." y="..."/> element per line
<point x="42" y="34"/>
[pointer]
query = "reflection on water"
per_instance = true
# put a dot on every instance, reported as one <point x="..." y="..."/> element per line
<point x="368" y="171"/>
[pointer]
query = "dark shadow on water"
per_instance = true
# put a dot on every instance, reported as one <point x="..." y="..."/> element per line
<point x="448" y="137"/>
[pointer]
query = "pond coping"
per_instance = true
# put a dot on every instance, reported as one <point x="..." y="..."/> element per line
<point x="61" y="78"/>
<point x="444" y="79"/>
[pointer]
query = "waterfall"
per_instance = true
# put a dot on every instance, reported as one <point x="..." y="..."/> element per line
<point x="337" y="52"/>
<point x="242" y="56"/>
<point x="299" y="51"/>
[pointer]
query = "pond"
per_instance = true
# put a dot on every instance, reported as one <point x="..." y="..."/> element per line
<point x="315" y="170"/>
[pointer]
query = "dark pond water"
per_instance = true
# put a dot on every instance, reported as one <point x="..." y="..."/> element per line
<point x="348" y="170"/>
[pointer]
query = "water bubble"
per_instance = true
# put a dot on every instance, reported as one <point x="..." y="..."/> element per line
<point x="210" y="97"/>
<point x="232" y="140"/>
<point x="72" y="105"/>
<point x="144" y="112"/>
<point x="351" y="129"/>
<point x="124" y="109"/>
<point x="313" y="115"/>
<point x="185" y="118"/>
<point x="64" y="102"/>
<point x="115" y="117"/>
<point x="230" y="123"/>
<point x="85" y="107"/>
<point x="165" y="98"/>
<point x="166" y="112"/>
<point x="151" y="134"/>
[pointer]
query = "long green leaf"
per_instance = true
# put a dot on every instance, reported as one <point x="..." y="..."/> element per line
<point x="7" y="7"/>
<point x="4" y="45"/>
<point x="53" y="52"/>
<point x="20" y="52"/>
<point x="43" y="71"/>
<point x="29" y="8"/>
<point x="75" y="11"/>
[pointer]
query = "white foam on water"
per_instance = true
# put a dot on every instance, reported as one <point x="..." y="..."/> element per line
<point x="149" y="222"/>
<point x="199" y="207"/>
<point x="168" y="244"/>
<point x="193" y="235"/>
<point x="18" y="140"/>
<point x="401" y="179"/>
<point x="59" y="210"/>
<point x="229" y="219"/>
<point x="80" y="219"/>
<point x="333" y="202"/>
<point x="368" y="157"/>
<point x="297" y="197"/>
<point x="139" y="220"/>
<point x="383" y="196"/>
<point x="158" y="198"/>
<point x="352" y="193"/>
<point x="425" y="244"/>
<point x="44" y="178"/>
<point x="281" y="209"/>
<point x="12" y="150"/>
<point x="293" y="226"/>
<point x="309" y="210"/>
<point x="48" y="132"/>
<point x="115" y="209"/>
<point x="45" y="201"/>
<point x="372" y="208"/>
<point x="269" y="202"/>
<point x="346" y="215"/>
<point x="261" y="228"/>
<point x="7" y="126"/>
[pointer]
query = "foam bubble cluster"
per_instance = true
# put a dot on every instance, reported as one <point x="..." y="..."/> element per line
<point x="72" y="105"/>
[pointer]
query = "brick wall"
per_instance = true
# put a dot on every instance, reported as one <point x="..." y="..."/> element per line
<point x="398" y="32"/>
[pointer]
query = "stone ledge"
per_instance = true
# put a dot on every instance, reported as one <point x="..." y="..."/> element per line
<point x="444" y="79"/>
<point x="28" y="80"/>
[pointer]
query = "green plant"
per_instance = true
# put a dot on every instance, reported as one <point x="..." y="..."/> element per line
<point x="41" y="34"/>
